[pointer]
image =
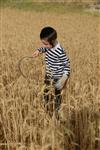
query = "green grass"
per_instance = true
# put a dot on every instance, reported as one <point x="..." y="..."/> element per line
<point x="47" y="7"/>
<point x="37" y="6"/>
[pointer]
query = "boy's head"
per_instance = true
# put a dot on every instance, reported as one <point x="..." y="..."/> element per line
<point x="48" y="36"/>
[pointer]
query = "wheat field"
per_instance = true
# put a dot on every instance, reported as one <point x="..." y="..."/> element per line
<point x="24" y="124"/>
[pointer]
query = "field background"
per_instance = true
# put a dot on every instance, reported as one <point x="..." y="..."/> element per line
<point x="24" y="125"/>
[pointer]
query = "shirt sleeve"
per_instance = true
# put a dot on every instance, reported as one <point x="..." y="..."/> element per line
<point x="64" y="59"/>
<point x="42" y="49"/>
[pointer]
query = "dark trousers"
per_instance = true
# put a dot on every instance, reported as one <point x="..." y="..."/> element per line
<point x="50" y="98"/>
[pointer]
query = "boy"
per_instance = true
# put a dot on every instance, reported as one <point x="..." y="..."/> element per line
<point x="57" y="63"/>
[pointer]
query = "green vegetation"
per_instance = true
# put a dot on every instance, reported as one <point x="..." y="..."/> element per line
<point x="47" y="7"/>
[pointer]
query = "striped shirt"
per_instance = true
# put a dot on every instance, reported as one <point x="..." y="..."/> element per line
<point x="56" y="60"/>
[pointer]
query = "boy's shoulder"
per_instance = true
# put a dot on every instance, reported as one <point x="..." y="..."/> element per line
<point x="59" y="48"/>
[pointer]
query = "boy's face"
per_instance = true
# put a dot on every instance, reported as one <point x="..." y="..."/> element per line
<point x="46" y="44"/>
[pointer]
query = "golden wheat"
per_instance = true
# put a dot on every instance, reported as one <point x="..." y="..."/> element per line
<point x="24" y="124"/>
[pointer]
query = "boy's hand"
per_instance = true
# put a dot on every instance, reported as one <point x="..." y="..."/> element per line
<point x="36" y="53"/>
<point x="61" y="82"/>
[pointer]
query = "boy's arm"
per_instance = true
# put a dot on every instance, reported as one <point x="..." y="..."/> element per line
<point x="65" y="61"/>
<point x="42" y="49"/>
<point x="67" y="66"/>
<point x="38" y="51"/>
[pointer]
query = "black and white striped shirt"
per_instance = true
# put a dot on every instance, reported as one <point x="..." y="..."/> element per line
<point x="57" y="62"/>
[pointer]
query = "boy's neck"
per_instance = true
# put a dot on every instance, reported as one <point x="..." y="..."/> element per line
<point x="55" y="43"/>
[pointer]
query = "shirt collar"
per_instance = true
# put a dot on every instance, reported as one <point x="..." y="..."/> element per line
<point x="57" y="45"/>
